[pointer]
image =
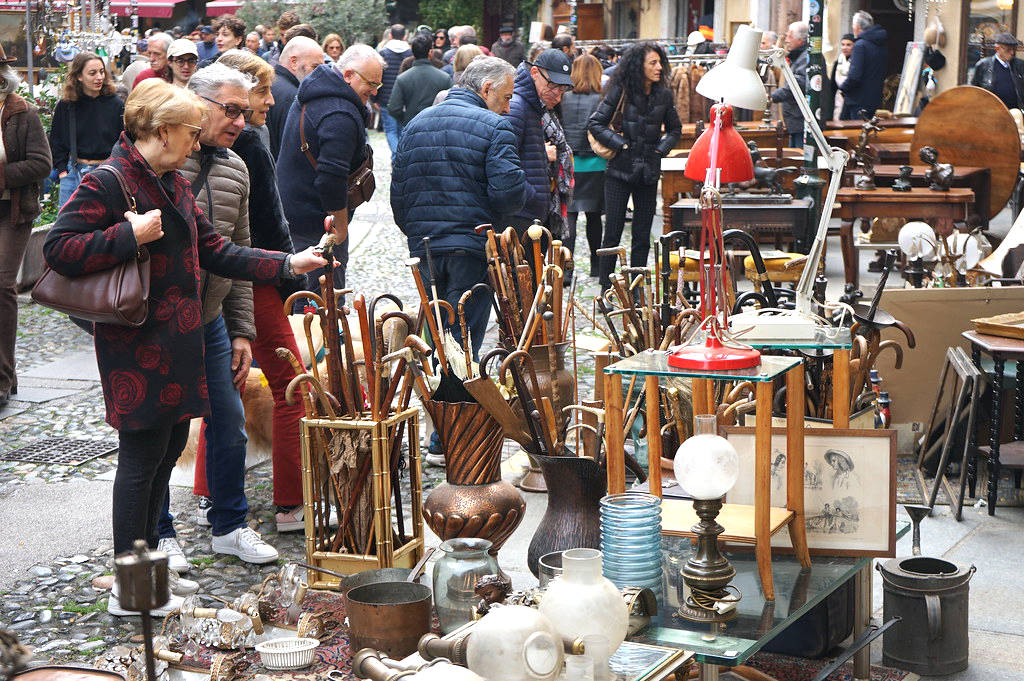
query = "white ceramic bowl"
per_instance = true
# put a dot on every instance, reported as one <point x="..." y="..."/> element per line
<point x="290" y="652"/>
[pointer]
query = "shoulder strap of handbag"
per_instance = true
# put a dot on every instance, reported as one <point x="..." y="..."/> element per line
<point x="618" y="110"/>
<point x="304" y="146"/>
<point x="204" y="171"/>
<point x="129" y="199"/>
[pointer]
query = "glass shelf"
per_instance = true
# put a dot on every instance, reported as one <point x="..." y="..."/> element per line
<point x="655" y="363"/>
<point x="758" y="621"/>
<point x="825" y="338"/>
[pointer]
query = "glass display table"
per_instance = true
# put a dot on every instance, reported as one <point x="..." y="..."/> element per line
<point x="747" y="524"/>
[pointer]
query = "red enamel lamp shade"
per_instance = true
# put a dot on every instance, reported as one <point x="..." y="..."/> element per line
<point x="733" y="155"/>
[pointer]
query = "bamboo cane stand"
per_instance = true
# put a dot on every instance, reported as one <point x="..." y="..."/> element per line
<point x="317" y="506"/>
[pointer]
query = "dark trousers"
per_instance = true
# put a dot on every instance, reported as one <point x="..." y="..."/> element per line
<point x="593" y="232"/>
<point x="456" y="272"/>
<point x="796" y="139"/>
<point x="13" y="240"/>
<point x="645" y="202"/>
<point x="144" y="464"/>
<point x="851" y="112"/>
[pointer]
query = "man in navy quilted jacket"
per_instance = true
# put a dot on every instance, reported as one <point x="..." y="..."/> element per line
<point x="456" y="167"/>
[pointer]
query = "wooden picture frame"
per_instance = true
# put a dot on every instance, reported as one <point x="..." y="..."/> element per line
<point x="849" y="492"/>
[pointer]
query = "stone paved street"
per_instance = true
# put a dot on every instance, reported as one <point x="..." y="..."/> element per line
<point x="55" y="519"/>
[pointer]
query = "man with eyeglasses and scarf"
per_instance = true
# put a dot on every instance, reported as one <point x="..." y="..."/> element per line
<point x="543" y="152"/>
<point x="324" y="140"/>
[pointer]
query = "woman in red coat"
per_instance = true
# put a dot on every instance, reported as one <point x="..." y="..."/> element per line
<point x="153" y="378"/>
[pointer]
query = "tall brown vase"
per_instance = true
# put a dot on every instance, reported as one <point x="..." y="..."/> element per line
<point x="474" y="501"/>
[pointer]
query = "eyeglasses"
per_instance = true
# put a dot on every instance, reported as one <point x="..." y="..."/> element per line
<point x="232" y="111"/>
<point x="551" y="84"/>
<point x="191" y="61"/>
<point x="195" y="135"/>
<point x="374" y="84"/>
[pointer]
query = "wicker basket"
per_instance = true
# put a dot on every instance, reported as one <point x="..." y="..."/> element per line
<point x="291" y="652"/>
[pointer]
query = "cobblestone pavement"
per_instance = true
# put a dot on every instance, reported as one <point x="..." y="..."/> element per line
<point x="53" y="606"/>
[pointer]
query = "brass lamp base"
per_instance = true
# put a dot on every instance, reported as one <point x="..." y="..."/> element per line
<point x="692" y="612"/>
<point x="707" y="571"/>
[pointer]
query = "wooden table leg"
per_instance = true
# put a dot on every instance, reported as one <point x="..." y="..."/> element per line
<point x="763" y="487"/>
<point x="614" y="437"/>
<point x="972" y="461"/>
<point x="851" y="258"/>
<point x="702" y="389"/>
<point x="795" y="462"/>
<point x="861" y="620"/>
<point x="995" y="433"/>
<point x="653" y="435"/>
<point x="841" y="388"/>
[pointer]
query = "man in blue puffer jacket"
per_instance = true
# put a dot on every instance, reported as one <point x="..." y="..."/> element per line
<point x="456" y="167"/>
<point x="539" y="86"/>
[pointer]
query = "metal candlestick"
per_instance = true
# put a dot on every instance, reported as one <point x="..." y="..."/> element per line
<point x="142" y="582"/>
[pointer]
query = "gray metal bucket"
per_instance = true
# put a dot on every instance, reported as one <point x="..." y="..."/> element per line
<point x="932" y="597"/>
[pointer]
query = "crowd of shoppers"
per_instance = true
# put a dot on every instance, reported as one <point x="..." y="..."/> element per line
<point x="241" y="145"/>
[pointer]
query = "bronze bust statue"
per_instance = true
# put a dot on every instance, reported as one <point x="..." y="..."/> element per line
<point x="939" y="175"/>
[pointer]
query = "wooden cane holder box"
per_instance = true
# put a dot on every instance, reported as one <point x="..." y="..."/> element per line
<point x="346" y="466"/>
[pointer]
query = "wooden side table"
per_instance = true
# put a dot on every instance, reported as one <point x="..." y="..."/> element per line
<point x="1009" y="454"/>
<point x="975" y="178"/>
<point x="940" y="209"/>
<point x="781" y="220"/>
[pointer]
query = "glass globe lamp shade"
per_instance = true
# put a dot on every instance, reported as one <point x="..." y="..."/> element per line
<point x="706" y="465"/>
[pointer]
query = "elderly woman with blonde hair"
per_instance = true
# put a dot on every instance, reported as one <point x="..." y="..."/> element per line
<point x="268" y="229"/>
<point x="153" y="384"/>
<point x="24" y="162"/>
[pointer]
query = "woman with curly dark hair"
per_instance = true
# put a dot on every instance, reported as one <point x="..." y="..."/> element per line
<point x="87" y="121"/>
<point x="648" y="130"/>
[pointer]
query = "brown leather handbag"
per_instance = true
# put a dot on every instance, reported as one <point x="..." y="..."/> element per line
<point x="607" y="153"/>
<point x="119" y="295"/>
<point x="361" y="183"/>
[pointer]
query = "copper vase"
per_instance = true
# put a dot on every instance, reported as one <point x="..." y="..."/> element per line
<point x="474" y="501"/>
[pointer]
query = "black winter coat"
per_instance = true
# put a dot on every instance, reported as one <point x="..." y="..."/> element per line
<point x="524" y="115"/>
<point x="650" y="127"/>
<point x="336" y="133"/>
<point x="983" y="75"/>
<point x="284" y="89"/>
<point x="268" y="227"/>
<point x="798" y="62"/>
<point x="862" y="88"/>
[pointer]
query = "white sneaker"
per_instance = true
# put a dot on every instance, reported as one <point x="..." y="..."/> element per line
<point x="180" y="586"/>
<point x="293" y="520"/>
<point x="434" y="460"/>
<point x="114" y="605"/>
<point x="245" y="543"/>
<point x="176" y="560"/>
<point x="204" y="507"/>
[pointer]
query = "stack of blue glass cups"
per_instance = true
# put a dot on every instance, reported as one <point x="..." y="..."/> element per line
<point x="631" y="539"/>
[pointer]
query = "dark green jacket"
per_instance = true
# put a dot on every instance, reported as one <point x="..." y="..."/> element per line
<point x="415" y="90"/>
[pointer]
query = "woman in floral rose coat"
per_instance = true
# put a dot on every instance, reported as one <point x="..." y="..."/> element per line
<point x="153" y="378"/>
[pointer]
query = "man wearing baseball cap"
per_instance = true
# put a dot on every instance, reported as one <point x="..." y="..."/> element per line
<point x="1002" y="74"/>
<point x="182" y="57"/>
<point x="207" y="47"/>
<point x="538" y="89"/>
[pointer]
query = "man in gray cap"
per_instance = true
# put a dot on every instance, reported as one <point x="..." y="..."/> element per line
<point x="538" y="90"/>
<point x="507" y="47"/>
<point x="1002" y="74"/>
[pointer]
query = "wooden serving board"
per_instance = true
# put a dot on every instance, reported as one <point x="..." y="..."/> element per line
<point x="1010" y="325"/>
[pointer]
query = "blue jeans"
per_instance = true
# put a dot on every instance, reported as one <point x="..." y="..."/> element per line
<point x="69" y="183"/>
<point x="458" y="271"/>
<point x="225" y="439"/>
<point x="392" y="128"/>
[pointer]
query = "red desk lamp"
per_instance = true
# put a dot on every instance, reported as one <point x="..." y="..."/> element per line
<point x="718" y="155"/>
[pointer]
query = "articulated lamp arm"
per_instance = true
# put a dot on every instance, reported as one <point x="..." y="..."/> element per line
<point x="835" y="161"/>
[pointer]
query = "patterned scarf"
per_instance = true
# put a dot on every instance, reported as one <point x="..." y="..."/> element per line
<point x="561" y="172"/>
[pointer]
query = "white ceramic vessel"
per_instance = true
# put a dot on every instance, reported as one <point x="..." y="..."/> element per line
<point x="582" y="601"/>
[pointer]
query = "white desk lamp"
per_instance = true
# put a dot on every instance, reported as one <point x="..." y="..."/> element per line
<point x="736" y="82"/>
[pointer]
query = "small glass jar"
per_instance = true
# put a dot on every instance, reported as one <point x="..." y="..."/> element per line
<point x="461" y="565"/>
